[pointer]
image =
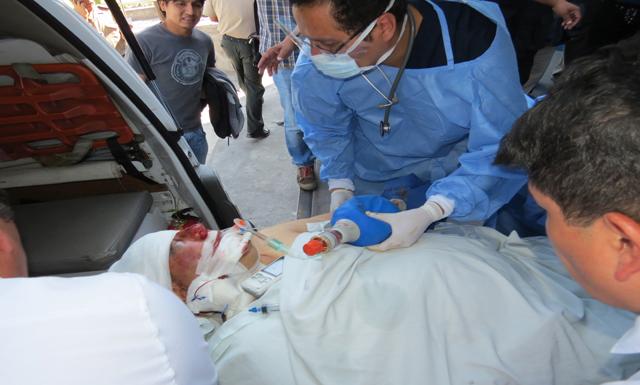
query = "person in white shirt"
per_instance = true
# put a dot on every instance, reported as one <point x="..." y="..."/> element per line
<point x="581" y="149"/>
<point x="105" y="329"/>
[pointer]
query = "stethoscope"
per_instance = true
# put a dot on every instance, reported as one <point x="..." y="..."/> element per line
<point x="385" y="127"/>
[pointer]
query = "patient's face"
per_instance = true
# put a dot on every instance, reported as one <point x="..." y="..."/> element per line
<point x="187" y="246"/>
<point x="585" y="251"/>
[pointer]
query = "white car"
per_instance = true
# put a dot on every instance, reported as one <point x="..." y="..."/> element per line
<point x="89" y="157"/>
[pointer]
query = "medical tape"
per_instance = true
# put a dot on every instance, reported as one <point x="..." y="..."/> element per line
<point x="221" y="253"/>
<point x="209" y="246"/>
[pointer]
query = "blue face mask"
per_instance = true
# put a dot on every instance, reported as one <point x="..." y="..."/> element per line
<point x="342" y="65"/>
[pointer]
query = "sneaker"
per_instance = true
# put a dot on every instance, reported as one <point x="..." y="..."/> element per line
<point x="306" y="178"/>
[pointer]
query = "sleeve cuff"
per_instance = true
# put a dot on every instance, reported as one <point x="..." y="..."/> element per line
<point x="446" y="204"/>
<point x="344" y="183"/>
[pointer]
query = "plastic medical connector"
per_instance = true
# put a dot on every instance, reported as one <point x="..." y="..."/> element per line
<point x="343" y="231"/>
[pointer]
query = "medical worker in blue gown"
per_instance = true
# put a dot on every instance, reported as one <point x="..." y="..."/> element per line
<point x="409" y="101"/>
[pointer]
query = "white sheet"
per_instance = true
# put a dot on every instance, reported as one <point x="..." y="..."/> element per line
<point x="465" y="305"/>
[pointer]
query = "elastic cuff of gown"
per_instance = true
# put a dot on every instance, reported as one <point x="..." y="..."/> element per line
<point x="446" y="204"/>
<point x="344" y="183"/>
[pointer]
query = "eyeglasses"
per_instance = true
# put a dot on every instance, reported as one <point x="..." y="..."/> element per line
<point x="303" y="41"/>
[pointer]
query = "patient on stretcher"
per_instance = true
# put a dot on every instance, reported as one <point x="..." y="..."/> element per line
<point x="465" y="305"/>
<point x="203" y="268"/>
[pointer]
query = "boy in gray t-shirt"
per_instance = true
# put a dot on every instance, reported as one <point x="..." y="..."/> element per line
<point x="179" y="56"/>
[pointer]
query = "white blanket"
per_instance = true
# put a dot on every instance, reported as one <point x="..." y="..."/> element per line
<point x="465" y="305"/>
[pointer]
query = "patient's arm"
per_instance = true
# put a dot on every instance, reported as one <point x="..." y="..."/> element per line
<point x="286" y="233"/>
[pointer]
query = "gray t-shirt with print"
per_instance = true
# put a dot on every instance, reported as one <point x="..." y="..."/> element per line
<point x="179" y="63"/>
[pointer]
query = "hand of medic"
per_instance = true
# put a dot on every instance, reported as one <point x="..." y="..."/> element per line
<point x="407" y="226"/>
<point x="272" y="57"/>
<point x="338" y="197"/>
<point x="569" y="12"/>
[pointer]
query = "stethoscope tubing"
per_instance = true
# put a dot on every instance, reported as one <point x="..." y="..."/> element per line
<point x="385" y="127"/>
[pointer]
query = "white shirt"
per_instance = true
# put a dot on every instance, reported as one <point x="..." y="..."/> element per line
<point x="108" y="329"/>
<point x="629" y="343"/>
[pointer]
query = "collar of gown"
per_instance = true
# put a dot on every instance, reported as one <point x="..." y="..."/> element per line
<point x="630" y="342"/>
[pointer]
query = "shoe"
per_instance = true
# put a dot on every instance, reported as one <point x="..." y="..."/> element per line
<point x="259" y="135"/>
<point x="307" y="178"/>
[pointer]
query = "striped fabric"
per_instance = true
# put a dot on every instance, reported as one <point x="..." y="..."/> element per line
<point x="270" y="34"/>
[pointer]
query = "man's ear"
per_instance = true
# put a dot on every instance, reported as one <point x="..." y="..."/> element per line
<point x="626" y="243"/>
<point x="387" y="26"/>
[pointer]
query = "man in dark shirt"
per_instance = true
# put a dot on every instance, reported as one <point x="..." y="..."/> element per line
<point x="179" y="54"/>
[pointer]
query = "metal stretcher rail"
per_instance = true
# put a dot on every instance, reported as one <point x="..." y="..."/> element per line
<point x="314" y="202"/>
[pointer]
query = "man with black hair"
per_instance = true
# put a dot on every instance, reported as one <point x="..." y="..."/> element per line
<point x="409" y="100"/>
<point x="581" y="149"/>
<point x="179" y="54"/>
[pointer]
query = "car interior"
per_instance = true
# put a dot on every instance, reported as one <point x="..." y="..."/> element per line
<point x="88" y="160"/>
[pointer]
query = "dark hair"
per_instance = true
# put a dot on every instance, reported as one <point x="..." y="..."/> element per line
<point x="354" y="15"/>
<point x="581" y="144"/>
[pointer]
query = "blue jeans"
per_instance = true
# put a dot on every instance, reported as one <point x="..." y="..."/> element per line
<point x="197" y="140"/>
<point x="298" y="149"/>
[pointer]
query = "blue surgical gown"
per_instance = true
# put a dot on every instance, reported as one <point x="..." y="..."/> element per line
<point x="445" y="129"/>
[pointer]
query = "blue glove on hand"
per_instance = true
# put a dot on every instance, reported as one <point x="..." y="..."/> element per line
<point x="372" y="231"/>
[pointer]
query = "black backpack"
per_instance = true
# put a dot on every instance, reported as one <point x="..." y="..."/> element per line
<point x="225" y="110"/>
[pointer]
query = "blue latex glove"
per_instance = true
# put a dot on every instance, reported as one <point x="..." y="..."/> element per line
<point x="372" y="231"/>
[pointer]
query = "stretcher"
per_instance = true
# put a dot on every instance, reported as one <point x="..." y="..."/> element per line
<point x="39" y="116"/>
